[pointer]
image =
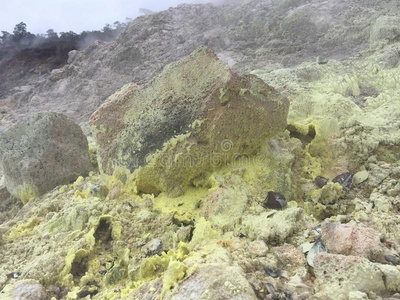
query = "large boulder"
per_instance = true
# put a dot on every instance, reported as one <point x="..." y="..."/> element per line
<point x="195" y="117"/>
<point x="41" y="152"/>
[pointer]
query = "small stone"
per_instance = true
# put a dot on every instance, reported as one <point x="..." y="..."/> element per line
<point x="114" y="193"/>
<point x="321" y="181"/>
<point x="88" y="291"/>
<point x="274" y="201"/>
<point x="357" y="295"/>
<point x="258" y="248"/>
<point x="29" y="291"/>
<point x="395" y="191"/>
<point x="4" y="193"/>
<point x="271" y="290"/>
<point x="273" y="273"/>
<point x="393" y="260"/>
<point x="322" y="60"/>
<point x="318" y="247"/>
<point x="184" y="233"/>
<point x="306" y="247"/>
<point x="98" y="190"/>
<point x="14" y="275"/>
<point x="360" y="177"/>
<point x="344" y="180"/>
<point x="153" y="247"/>
<point x="378" y="175"/>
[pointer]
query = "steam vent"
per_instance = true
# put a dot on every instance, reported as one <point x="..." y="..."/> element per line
<point x="234" y="150"/>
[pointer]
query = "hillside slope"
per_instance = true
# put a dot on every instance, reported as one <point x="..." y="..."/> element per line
<point x="248" y="36"/>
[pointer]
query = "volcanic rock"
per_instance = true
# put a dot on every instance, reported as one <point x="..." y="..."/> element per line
<point x="29" y="290"/>
<point x="350" y="240"/>
<point x="197" y="116"/>
<point x="41" y="152"/>
<point x="338" y="275"/>
<point x="274" y="201"/>
<point x="215" y="281"/>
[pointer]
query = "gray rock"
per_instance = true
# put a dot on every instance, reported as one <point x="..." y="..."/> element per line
<point x="215" y="281"/>
<point x="29" y="291"/>
<point x="184" y="233"/>
<point x="153" y="247"/>
<point x="41" y="152"/>
<point x="395" y="191"/>
<point x="4" y="194"/>
<point x="377" y="175"/>
<point x="360" y="177"/>
<point x="274" y="201"/>
<point x="318" y="247"/>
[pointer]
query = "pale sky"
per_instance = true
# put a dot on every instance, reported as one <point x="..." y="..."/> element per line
<point x="75" y="15"/>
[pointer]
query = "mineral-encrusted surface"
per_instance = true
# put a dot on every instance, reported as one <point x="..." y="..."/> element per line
<point x="104" y="237"/>
<point x="196" y="116"/>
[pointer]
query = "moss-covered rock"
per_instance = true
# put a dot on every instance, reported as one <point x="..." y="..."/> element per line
<point x="195" y="117"/>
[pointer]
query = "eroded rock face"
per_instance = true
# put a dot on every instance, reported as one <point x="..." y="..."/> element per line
<point x="41" y="152"/>
<point x="195" y="117"/>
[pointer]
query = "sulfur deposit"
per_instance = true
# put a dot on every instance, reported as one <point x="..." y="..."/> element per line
<point x="196" y="116"/>
<point x="296" y="201"/>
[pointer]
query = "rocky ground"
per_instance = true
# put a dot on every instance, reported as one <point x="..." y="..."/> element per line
<point x="308" y="212"/>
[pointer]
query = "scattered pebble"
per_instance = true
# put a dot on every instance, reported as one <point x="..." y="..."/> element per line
<point x="273" y="273"/>
<point x="14" y="275"/>
<point x="318" y="247"/>
<point x="393" y="260"/>
<point x="360" y="177"/>
<point x="344" y="180"/>
<point x="153" y="247"/>
<point x="322" y="60"/>
<point x="321" y="181"/>
<point x="274" y="201"/>
<point x="184" y="233"/>
<point x="271" y="290"/>
<point x="258" y="248"/>
<point x="114" y="193"/>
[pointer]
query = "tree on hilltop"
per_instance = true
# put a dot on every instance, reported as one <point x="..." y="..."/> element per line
<point x="19" y="32"/>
